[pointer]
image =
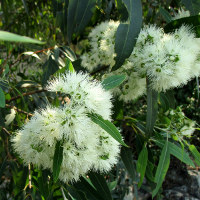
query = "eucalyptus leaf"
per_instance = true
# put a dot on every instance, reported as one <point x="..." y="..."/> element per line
<point x="193" y="21"/>
<point x="100" y="184"/>
<point x="127" y="158"/>
<point x="152" y="108"/>
<point x="2" y="99"/>
<point x="127" y="34"/>
<point x="108" y="127"/>
<point x="12" y="37"/>
<point x="142" y="164"/>
<point x="78" y="16"/>
<point x="57" y="160"/>
<point x="113" y="81"/>
<point x="167" y="17"/>
<point x="195" y="153"/>
<point x="162" y="168"/>
<point x="192" y="5"/>
<point x="177" y="152"/>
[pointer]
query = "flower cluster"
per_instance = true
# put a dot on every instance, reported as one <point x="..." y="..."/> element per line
<point x="86" y="146"/>
<point x="169" y="60"/>
<point x="179" y="125"/>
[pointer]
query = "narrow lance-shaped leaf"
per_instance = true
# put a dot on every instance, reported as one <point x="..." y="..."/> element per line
<point x="87" y="188"/>
<point x="192" y="5"/>
<point x="167" y="100"/>
<point x="108" y="127"/>
<point x="142" y="164"/>
<point x="177" y="152"/>
<point x="100" y="184"/>
<point x="193" y="21"/>
<point x="195" y="153"/>
<point x="2" y="98"/>
<point x="127" y="34"/>
<point x="167" y="17"/>
<point x="57" y="160"/>
<point x="162" y="168"/>
<point x="152" y="108"/>
<point x="113" y="81"/>
<point x="78" y="16"/>
<point x="12" y="37"/>
<point x="127" y="158"/>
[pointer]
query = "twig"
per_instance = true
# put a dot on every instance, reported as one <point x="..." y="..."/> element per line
<point x="19" y="110"/>
<point x="6" y="131"/>
<point x="29" y="176"/>
<point x="19" y="58"/>
<point x="25" y="94"/>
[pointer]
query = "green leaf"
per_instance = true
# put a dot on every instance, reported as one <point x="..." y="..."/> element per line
<point x="192" y="5"/>
<point x="152" y="108"/>
<point x="49" y="68"/>
<point x="85" y="186"/>
<point x="69" y="66"/>
<point x="12" y="37"/>
<point x="167" y="100"/>
<point x="127" y="34"/>
<point x="79" y="15"/>
<point x="2" y="98"/>
<point x="57" y="160"/>
<point x="167" y="17"/>
<point x="195" y="153"/>
<point x="177" y="152"/>
<point x="112" y="185"/>
<point x="127" y="158"/>
<point x="108" y="127"/>
<point x="141" y="164"/>
<point x="100" y="184"/>
<point x="78" y="195"/>
<point x="43" y="185"/>
<point x="162" y="168"/>
<point x="113" y="81"/>
<point x="193" y="21"/>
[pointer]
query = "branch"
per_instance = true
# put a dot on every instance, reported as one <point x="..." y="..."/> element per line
<point x="25" y="94"/>
<point x="19" y="110"/>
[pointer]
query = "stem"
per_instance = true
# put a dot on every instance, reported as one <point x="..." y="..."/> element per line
<point x="19" y="110"/>
<point x="25" y="94"/>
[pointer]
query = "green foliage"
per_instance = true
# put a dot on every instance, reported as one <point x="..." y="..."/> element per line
<point x="127" y="33"/>
<point x="152" y="125"/>
<point x="57" y="160"/>
<point x="113" y="81"/>
<point x="108" y="127"/>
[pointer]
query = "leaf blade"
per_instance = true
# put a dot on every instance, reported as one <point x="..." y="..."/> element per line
<point x="177" y="152"/>
<point x="2" y="99"/>
<point x="113" y="81"/>
<point x="127" y="33"/>
<point x="142" y="164"/>
<point x="152" y="108"/>
<point x="162" y="168"/>
<point x="195" y="153"/>
<point x="108" y="127"/>
<point x="12" y="37"/>
<point x="57" y="160"/>
<point x="100" y="184"/>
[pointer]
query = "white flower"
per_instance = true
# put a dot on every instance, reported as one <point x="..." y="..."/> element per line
<point x="181" y="14"/>
<point x="86" y="146"/>
<point x="101" y="40"/>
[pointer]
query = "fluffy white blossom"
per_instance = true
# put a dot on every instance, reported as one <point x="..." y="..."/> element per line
<point x="86" y="146"/>
<point x="101" y="42"/>
<point x="181" y="14"/>
<point x="170" y="61"/>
